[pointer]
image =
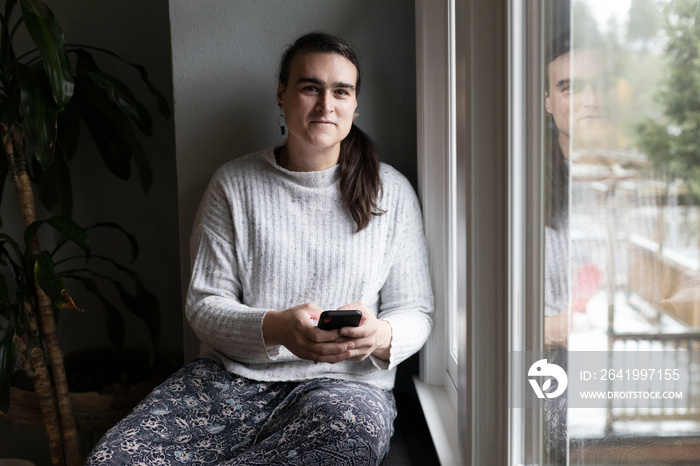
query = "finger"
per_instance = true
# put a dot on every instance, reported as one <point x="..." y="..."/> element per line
<point x="358" y="355"/>
<point x="353" y="332"/>
<point x="331" y="358"/>
<point x="365" y="329"/>
<point x="316" y="335"/>
<point x="311" y="309"/>
<point x="331" y="349"/>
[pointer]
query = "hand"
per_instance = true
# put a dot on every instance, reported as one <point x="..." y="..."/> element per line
<point x="295" y="329"/>
<point x="556" y="329"/>
<point x="372" y="337"/>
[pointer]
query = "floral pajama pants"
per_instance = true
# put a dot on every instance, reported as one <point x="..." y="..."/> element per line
<point x="205" y="415"/>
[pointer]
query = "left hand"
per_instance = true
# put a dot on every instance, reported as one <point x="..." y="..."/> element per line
<point x="371" y="337"/>
<point x="556" y="330"/>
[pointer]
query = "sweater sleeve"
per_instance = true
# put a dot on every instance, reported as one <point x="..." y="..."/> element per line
<point x="406" y="299"/>
<point x="213" y="306"/>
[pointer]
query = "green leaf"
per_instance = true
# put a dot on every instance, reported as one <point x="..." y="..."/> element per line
<point x="55" y="190"/>
<point x="163" y="107"/>
<point x="68" y="131"/>
<point x="39" y="113"/>
<point x="5" y="303"/>
<point x="65" y="226"/>
<point x="48" y="37"/>
<point x="8" y="363"/>
<point x="71" y="231"/>
<point x="109" y="127"/>
<point x="47" y="279"/>
<point x="7" y="53"/>
<point x="125" y="99"/>
<point x="4" y="170"/>
<point x="7" y="239"/>
<point x="105" y="124"/>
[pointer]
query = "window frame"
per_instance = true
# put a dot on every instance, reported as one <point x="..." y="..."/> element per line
<point x="437" y="387"/>
<point x="466" y="43"/>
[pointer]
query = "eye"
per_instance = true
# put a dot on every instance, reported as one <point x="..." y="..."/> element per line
<point x="310" y="89"/>
<point x="343" y="92"/>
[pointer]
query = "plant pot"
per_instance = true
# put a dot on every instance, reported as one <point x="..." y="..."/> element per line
<point x="104" y="388"/>
<point x="92" y="410"/>
<point x="15" y="462"/>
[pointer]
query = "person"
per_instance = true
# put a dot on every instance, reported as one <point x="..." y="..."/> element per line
<point x="282" y="234"/>
<point x="558" y="103"/>
<point x="577" y="124"/>
<point x="558" y="99"/>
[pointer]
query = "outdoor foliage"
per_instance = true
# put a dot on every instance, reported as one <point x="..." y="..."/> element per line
<point x="673" y="142"/>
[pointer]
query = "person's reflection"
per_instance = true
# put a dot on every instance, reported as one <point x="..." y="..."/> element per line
<point x="558" y="104"/>
<point x="572" y="102"/>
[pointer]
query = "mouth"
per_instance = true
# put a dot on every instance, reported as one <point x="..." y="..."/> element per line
<point x="322" y="122"/>
<point x="589" y="118"/>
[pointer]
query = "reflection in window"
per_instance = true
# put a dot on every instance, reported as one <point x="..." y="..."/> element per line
<point x="622" y="263"/>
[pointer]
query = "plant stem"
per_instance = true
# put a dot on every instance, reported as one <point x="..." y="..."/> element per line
<point x="13" y="144"/>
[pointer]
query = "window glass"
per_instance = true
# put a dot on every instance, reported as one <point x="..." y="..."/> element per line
<point x="621" y="220"/>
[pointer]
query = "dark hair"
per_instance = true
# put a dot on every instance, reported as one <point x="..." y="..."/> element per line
<point x="557" y="177"/>
<point x="360" y="183"/>
<point x="561" y="45"/>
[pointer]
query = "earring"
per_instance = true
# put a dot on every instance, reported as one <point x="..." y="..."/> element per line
<point x="282" y="122"/>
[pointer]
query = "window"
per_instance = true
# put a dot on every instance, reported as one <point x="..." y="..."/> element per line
<point x="600" y="243"/>
<point x="632" y="313"/>
<point x="462" y="181"/>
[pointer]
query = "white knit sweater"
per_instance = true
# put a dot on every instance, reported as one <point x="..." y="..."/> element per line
<point x="268" y="238"/>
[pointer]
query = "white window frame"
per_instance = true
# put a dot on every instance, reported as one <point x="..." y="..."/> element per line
<point x="437" y="387"/>
<point x="463" y="133"/>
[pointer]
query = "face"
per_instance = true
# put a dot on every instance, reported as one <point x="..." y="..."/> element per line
<point x="558" y="97"/>
<point x="319" y="101"/>
<point x="573" y="97"/>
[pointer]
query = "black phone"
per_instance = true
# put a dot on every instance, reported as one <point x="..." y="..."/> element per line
<point x="331" y="320"/>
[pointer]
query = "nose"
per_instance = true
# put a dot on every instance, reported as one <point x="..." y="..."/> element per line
<point x="323" y="104"/>
<point x="589" y="97"/>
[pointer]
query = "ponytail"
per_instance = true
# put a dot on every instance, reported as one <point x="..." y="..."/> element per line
<point x="360" y="182"/>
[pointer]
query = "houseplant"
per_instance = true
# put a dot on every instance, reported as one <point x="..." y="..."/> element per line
<point x="44" y="95"/>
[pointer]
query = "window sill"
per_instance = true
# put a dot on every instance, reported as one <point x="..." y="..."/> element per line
<point x="441" y="418"/>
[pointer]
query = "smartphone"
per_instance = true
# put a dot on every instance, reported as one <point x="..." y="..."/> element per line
<point x="331" y="320"/>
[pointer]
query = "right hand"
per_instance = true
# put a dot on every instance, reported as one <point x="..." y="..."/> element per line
<point x="295" y="329"/>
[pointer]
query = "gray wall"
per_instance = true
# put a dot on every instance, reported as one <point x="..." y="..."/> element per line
<point x="141" y="38"/>
<point x="225" y="58"/>
<point x="222" y="83"/>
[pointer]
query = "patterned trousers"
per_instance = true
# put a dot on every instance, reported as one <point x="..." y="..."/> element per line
<point x="205" y="415"/>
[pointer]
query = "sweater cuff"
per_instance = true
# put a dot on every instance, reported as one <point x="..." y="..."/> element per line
<point x="407" y="337"/>
<point x="272" y="351"/>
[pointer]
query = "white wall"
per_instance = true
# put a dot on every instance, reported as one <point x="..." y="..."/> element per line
<point x="225" y="58"/>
